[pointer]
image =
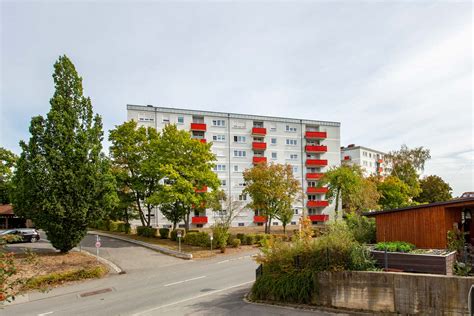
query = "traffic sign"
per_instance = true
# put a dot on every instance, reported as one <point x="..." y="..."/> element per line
<point x="97" y="244"/>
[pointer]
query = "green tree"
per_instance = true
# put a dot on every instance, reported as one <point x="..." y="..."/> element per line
<point x="343" y="182"/>
<point x="364" y="198"/>
<point x="136" y="159"/>
<point x="62" y="181"/>
<point x="187" y="165"/>
<point x="434" y="189"/>
<point x="285" y="216"/>
<point x="272" y="188"/>
<point x="7" y="163"/>
<point x="394" y="193"/>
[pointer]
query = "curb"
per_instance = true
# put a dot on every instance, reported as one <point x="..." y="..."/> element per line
<point x="166" y="251"/>
<point x="112" y="265"/>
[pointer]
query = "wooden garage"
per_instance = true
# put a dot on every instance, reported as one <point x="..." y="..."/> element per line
<point x="427" y="225"/>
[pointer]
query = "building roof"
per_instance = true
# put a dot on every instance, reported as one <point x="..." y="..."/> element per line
<point x="6" y="209"/>
<point x="152" y="108"/>
<point x="453" y="202"/>
<point x="343" y="149"/>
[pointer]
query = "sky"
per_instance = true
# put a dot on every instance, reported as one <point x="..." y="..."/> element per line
<point x="392" y="72"/>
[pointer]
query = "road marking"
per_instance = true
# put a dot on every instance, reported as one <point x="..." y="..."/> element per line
<point x="174" y="283"/>
<point x="233" y="259"/>
<point x="193" y="298"/>
<point x="45" y="313"/>
<point x="223" y="261"/>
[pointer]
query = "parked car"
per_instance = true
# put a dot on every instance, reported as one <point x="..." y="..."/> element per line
<point x="27" y="234"/>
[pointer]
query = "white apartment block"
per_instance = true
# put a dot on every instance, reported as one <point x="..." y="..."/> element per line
<point x="240" y="141"/>
<point x="372" y="161"/>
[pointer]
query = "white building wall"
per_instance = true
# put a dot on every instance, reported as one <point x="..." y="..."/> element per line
<point x="368" y="159"/>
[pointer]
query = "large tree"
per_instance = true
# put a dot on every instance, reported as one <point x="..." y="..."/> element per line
<point x="364" y="198"/>
<point x="434" y="189"/>
<point x="7" y="164"/>
<point x="394" y="193"/>
<point x="136" y="160"/>
<point x="62" y="180"/>
<point x="272" y="187"/>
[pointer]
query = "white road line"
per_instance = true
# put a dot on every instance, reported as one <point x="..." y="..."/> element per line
<point x="174" y="283"/>
<point x="223" y="261"/>
<point x="192" y="298"/>
<point x="45" y="313"/>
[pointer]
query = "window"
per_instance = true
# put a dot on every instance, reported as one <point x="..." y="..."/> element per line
<point x="273" y="127"/>
<point x="295" y="169"/>
<point x="240" y="153"/>
<point x="370" y="155"/>
<point x="180" y="119"/>
<point x="145" y="119"/>
<point x="293" y="156"/>
<point x="291" y="142"/>
<point x="166" y="119"/>
<point x="371" y="163"/>
<point x="243" y="197"/>
<point x="365" y="163"/>
<point x="219" y="168"/>
<point x="238" y="124"/>
<point x="218" y="138"/>
<point x="241" y="224"/>
<point x="218" y="123"/>
<point x="274" y="155"/>
<point x="199" y="225"/>
<point x="293" y="223"/>
<point x="296" y="211"/>
<point x="364" y="153"/>
<point x="290" y="128"/>
<point x="273" y="141"/>
<point x="239" y="139"/>
<point x="275" y="223"/>
<point x="236" y="168"/>
<point x="223" y="182"/>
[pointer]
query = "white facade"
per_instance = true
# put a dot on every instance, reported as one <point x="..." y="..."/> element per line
<point x="372" y="161"/>
<point x="240" y="140"/>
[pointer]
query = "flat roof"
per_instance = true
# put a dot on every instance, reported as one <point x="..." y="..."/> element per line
<point x="361" y="147"/>
<point x="452" y="202"/>
<point x="160" y="109"/>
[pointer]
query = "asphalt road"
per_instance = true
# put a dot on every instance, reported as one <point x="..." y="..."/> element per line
<point x="154" y="284"/>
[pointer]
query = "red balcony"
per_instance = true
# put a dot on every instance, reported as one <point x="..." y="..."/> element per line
<point x="259" y="145"/>
<point x="199" y="220"/>
<point x="259" y="131"/>
<point x="315" y="135"/>
<point x="259" y="219"/>
<point x="316" y="149"/>
<point x="347" y="157"/>
<point x="314" y="176"/>
<point x="256" y="160"/>
<point x="198" y="127"/>
<point x="201" y="190"/>
<point x="316" y="162"/>
<point x="380" y="170"/>
<point x="380" y="160"/>
<point x="203" y="140"/>
<point x="317" y="203"/>
<point x="317" y="190"/>
<point x="319" y="218"/>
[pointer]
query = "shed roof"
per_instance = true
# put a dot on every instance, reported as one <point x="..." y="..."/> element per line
<point x="453" y="202"/>
<point x="6" y="209"/>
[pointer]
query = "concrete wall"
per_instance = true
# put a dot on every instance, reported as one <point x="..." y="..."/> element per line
<point x="401" y="293"/>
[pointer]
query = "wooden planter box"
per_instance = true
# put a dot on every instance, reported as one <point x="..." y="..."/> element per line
<point x="422" y="263"/>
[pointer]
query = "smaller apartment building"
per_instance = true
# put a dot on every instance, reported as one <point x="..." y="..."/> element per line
<point x="371" y="160"/>
<point x="240" y="141"/>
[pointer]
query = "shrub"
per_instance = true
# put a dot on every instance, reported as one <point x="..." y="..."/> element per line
<point x="395" y="246"/>
<point x="461" y="269"/>
<point x="146" y="231"/>
<point x="200" y="239"/>
<point x="259" y="237"/>
<point x="281" y="237"/>
<point x="362" y="227"/>
<point x="230" y="239"/>
<point x="241" y="237"/>
<point x="193" y="231"/>
<point x="236" y="242"/>
<point x="250" y="239"/>
<point x="124" y="227"/>
<point x="103" y="224"/>
<point x="174" y="234"/>
<point x="55" y="278"/>
<point x="114" y="226"/>
<point x="221" y="235"/>
<point x="164" y="233"/>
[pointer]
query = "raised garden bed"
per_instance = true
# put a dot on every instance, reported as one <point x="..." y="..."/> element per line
<point x="416" y="262"/>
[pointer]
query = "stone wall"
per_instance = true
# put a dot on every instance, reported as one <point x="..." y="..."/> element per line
<point x="403" y="293"/>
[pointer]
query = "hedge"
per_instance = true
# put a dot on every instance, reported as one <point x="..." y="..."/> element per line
<point x="146" y="231"/>
<point x="174" y="234"/>
<point x="200" y="239"/>
<point x="164" y="233"/>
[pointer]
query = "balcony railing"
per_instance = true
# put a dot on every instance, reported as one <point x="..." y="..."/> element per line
<point x="314" y="176"/>
<point x="319" y="218"/>
<point x="317" y="203"/>
<point x="315" y="135"/>
<point x="198" y="127"/>
<point x="316" y="162"/>
<point x="259" y="131"/>
<point x="259" y="145"/>
<point x="199" y="220"/>
<point x="256" y="160"/>
<point x="317" y="190"/>
<point x="316" y="148"/>
<point x="259" y="219"/>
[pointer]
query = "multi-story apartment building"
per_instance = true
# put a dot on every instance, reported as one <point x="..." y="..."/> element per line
<point x="240" y="141"/>
<point x="372" y="161"/>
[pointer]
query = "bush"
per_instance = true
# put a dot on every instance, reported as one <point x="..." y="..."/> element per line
<point x="241" y="237"/>
<point x="221" y="235"/>
<point x="42" y="281"/>
<point x="250" y="239"/>
<point x="362" y="227"/>
<point x="236" y="243"/>
<point x="174" y="234"/>
<point x="193" y="231"/>
<point x="103" y="224"/>
<point x="164" y="233"/>
<point x="230" y="239"/>
<point x="395" y="246"/>
<point x="281" y="237"/>
<point x="146" y="231"/>
<point x="200" y="239"/>
<point x="114" y="226"/>
<point x="124" y="227"/>
<point x="259" y="237"/>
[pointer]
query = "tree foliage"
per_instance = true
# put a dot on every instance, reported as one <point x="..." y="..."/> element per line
<point x="434" y="189"/>
<point x="7" y="163"/>
<point x="273" y="188"/>
<point x="62" y="181"/>
<point x="394" y="193"/>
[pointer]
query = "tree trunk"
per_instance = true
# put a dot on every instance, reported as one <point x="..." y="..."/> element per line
<point x="140" y="211"/>
<point x="269" y="224"/>
<point x="337" y="204"/>
<point x="284" y="229"/>
<point x="174" y="225"/>
<point x="186" y="221"/>
<point x="148" y="206"/>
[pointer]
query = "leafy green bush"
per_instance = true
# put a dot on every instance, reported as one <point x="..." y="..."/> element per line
<point x="124" y="227"/>
<point x="362" y="227"/>
<point x="250" y="239"/>
<point x="221" y="235"/>
<point x="103" y="224"/>
<point x="461" y="269"/>
<point x="146" y="231"/>
<point x="236" y="242"/>
<point x="200" y="239"/>
<point x="164" y="233"/>
<point x="42" y="281"/>
<point x="241" y="237"/>
<point x="259" y="237"/>
<point x="114" y="226"/>
<point x="174" y="234"/>
<point x="395" y="246"/>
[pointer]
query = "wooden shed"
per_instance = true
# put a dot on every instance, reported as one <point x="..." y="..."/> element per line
<point x="427" y="225"/>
